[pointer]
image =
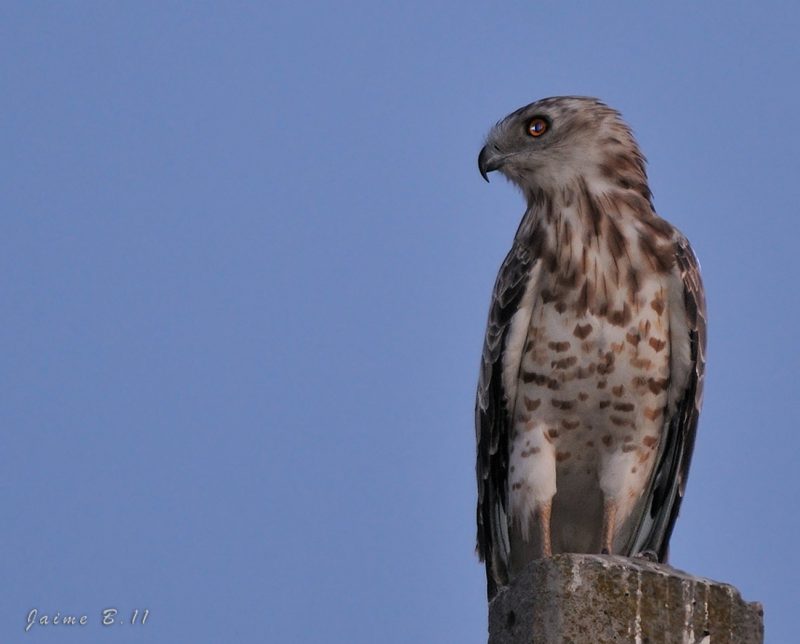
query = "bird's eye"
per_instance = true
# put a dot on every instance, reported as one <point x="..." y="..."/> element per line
<point x="537" y="126"/>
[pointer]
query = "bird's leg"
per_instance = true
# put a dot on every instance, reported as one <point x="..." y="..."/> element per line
<point x="609" y="518"/>
<point x="543" y="514"/>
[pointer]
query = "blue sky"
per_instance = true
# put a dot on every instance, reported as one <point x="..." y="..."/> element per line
<point x="245" y="265"/>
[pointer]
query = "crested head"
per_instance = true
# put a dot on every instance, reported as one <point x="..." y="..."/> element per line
<point x="556" y="144"/>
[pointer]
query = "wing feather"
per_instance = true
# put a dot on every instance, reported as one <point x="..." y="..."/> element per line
<point x="493" y="418"/>
<point x="672" y="468"/>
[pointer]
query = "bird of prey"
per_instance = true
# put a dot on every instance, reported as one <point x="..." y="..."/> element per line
<point x="591" y="377"/>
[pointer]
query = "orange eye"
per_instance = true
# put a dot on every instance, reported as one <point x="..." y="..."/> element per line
<point x="537" y="126"/>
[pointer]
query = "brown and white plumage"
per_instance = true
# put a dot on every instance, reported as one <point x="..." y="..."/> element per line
<point x="591" y="377"/>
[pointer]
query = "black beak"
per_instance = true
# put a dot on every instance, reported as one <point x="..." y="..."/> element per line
<point x="489" y="160"/>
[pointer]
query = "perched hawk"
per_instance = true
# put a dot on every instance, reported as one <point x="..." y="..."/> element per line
<point x="591" y="379"/>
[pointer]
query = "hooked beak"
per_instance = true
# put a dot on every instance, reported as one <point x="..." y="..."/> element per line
<point x="489" y="160"/>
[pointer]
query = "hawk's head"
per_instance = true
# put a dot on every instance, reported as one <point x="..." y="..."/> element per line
<point x="555" y="143"/>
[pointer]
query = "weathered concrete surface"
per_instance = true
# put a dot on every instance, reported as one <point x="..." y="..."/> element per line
<point x="595" y="599"/>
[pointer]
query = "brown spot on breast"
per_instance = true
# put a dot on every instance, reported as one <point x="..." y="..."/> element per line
<point x="629" y="448"/>
<point x="601" y="384"/>
<point x="633" y="338"/>
<point x="606" y="440"/>
<point x="553" y="433"/>
<point x="558" y="346"/>
<point x="583" y="396"/>
<point x="562" y="404"/>
<point x="516" y="486"/>
<point x="535" y="378"/>
<point x="528" y="452"/>
<point x="561" y="306"/>
<point x="633" y="470"/>
<point x="607" y="364"/>
<point x="657" y="344"/>
<point x="619" y="421"/>
<point x="628" y="439"/>
<point x="649" y="441"/>
<point x="537" y="357"/>
<point x="604" y="404"/>
<point x="623" y="406"/>
<point x="589" y="443"/>
<point x="652" y="414"/>
<point x="547" y="295"/>
<point x="605" y="369"/>
<point x="639" y="381"/>
<point x="582" y="331"/>
<point x="620" y="318"/>
<point x="617" y="347"/>
<point x="657" y="386"/>
<point x="642" y="363"/>
<point x="570" y="424"/>
<point x="564" y="363"/>
<point x="618" y="390"/>
<point x="562" y="456"/>
<point x="644" y="456"/>
<point x="528" y="346"/>
<point x="657" y="305"/>
<point x="532" y="405"/>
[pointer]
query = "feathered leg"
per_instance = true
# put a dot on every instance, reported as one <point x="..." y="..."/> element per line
<point x="543" y="511"/>
<point x="609" y="518"/>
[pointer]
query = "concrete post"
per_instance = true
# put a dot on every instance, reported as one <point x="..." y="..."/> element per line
<point x="594" y="599"/>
